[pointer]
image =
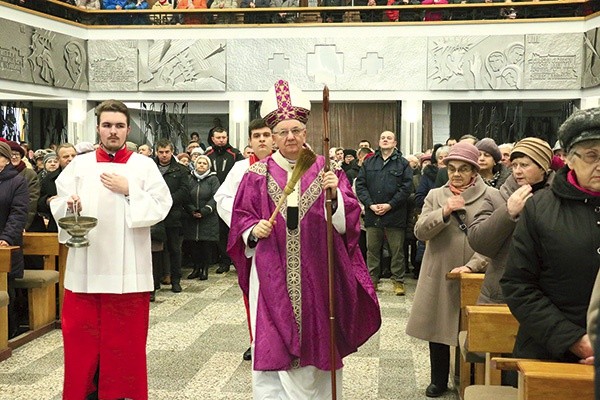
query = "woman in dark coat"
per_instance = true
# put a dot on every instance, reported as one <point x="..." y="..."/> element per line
<point x="555" y="252"/>
<point x="202" y="225"/>
<point x="491" y="232"/>
<point x="14" y="203"/>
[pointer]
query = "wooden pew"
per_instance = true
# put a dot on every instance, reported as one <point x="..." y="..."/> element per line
<point x="5" y="258"/>
<point x="491" y="329"/>
<point x="548" y="380"/>
<point x="539" y="380"/>
<point x="40" y="286"/>
<point x="470" y="287"/>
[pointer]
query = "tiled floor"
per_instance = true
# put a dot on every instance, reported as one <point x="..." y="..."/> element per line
<point x="195" y="347"/>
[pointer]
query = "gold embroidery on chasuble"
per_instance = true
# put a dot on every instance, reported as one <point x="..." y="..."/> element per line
<point x="293" y="243"/>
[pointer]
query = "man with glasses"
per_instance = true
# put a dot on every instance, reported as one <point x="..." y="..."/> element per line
<point x="383" y="185"/>
<point x="286" y="278"/>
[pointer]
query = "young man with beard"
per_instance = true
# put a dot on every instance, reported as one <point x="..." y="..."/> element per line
<point x="106" y="306"/>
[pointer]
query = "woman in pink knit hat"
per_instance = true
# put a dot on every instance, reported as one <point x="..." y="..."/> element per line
<point x="447" y="212"/>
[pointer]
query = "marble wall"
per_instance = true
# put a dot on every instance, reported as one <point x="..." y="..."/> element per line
<point x="446" y="63"/>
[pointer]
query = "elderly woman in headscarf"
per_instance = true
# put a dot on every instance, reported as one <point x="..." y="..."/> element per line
<point x="447" y="212"/>
<point x="491" y="232"/>
<point x="201" y="227"/>
<point x="491" y="168"/>
<point x="14" y="201"/>
<point x="555" y="252"/>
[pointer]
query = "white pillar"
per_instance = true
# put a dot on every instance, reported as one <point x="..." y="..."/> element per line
<point x="411" y="125"/>
<point x="81" y="125"/>
<point x="440" y="121"/>
<point x="238" y="123"/>
<point x="589" y="102"/>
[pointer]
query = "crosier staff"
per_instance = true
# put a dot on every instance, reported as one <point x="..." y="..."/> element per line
<point x="330" y="260"/>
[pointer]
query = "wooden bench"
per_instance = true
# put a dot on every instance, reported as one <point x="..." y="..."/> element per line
<point x="470" y="287"/>
<point x="5" y="258"/>
<point x="41" y="286"/>
<point x="540" y="380"/>
<point x="491" y="329"/>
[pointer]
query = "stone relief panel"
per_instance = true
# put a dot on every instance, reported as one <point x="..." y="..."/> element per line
<point x="42" y="57"/>
<point x="591" y="63"/>
<point x="182" y="65"/>
<point x="475" y="63"/>
<point x="113" y="65"/>
<point x="553" y="61"/>
<point x="158" y="65"/>
<point x="345" y="64"/>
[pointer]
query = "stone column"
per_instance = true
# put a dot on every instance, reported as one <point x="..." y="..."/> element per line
<point x="411" y="125"/>
<point x="81" y="120"/>
<point x="238" y="123"/>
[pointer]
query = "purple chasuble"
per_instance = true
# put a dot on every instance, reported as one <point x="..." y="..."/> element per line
<point x="292" y="323"/>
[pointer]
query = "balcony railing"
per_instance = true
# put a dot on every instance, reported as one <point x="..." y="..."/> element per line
<point x="408" y="14"/>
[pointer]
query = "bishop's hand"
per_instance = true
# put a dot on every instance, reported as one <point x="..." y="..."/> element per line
<point x="262" y="229"/>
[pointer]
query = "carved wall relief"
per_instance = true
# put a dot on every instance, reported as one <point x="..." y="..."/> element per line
<point x="39" y="56"/>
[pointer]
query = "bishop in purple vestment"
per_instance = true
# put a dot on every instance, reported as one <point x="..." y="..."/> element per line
<point x="287" y="279"/>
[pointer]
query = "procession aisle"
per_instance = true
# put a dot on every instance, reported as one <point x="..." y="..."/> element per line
<point x="195" y="347"/>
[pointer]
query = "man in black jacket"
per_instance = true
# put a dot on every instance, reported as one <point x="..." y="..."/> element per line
<point x="383" y="185"/>
<point x="223" y="156"/>
<point x="177" y="179"/>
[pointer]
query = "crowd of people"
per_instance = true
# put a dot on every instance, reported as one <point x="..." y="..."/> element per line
<point x="468" y="205"/>
<point x="164" y="7"/>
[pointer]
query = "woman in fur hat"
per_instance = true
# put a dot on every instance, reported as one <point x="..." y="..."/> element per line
<point x="554" y="255"/>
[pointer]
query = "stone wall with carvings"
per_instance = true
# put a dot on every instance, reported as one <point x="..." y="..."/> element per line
<point x="158" y="65"/>
<point x="443" y="63"/>
<point x="39" y="56"/>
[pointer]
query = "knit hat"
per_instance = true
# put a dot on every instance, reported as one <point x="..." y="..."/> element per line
<point x="14" y="146"/>
<point x="489" y="146"/>
<point x="197" y="150"/>
<point x="39" y="153"/>
<point x="424" y="157"/>
<point x="463" y="151"/>
<point x="205" y="158"/>
<point x="5" y="150"/>
<point x="350" y="152"/>
<point x="183" y="155"/>
<point x="84" y="147"/>
<point x="536" y="149"/>
<point x="50" y="156"/>
<point x="582" y="125"/>
<point x="284" y="101"/>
